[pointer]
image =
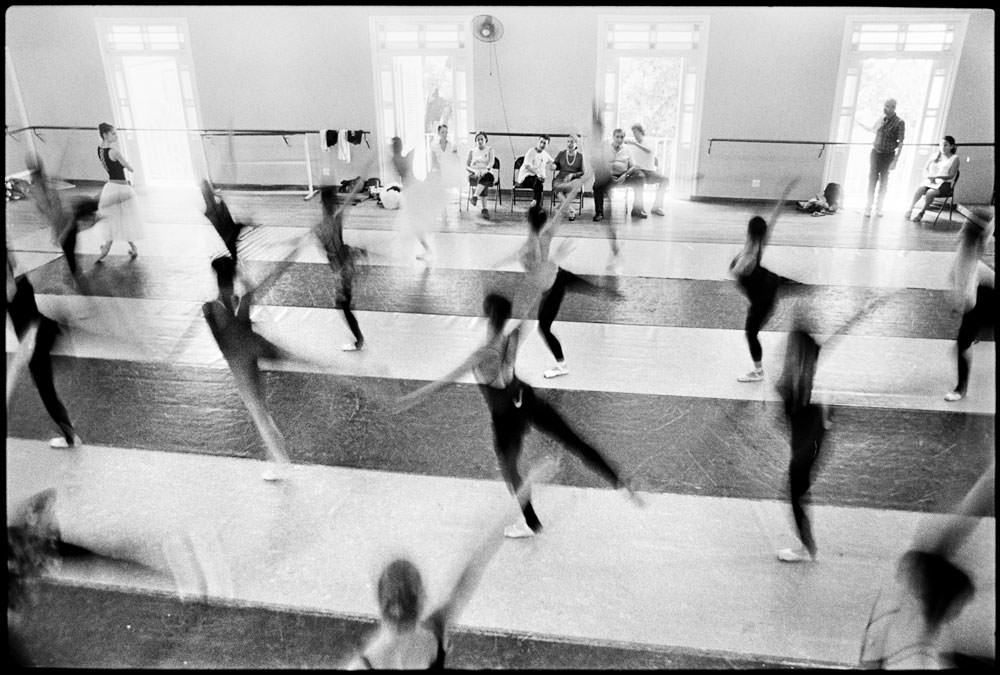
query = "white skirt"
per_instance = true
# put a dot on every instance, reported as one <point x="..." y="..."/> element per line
<point x="119" y="213"/>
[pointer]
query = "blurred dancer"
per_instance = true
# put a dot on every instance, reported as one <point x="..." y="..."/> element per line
<point x="228" y="316"/>
<point x="342" y="259"/>
<point x="973" y="293"/>
<point x="905" y="628"/>
<point x="547" y="280"/>
<point x="758" y="283"/>
<point x="120" y="218"/>
<point x="513" y="407"/>
<point x="38" y="334"/>
<point x="421" y="202"/>
<point x="600" y="156"/>
<point x="402" y="640"/>
<point x="808" y="422"/>
<point x="218" y="214"/>
<point x="66" y="224"/>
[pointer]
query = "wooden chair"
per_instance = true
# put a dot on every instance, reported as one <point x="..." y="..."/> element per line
<point x="485" y="196"/>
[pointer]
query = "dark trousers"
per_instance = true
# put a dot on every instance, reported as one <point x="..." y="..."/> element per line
<point x="807" y="438"/>
<point x="761" y="288"/>
<point x="878" y="174"/>
<point x="69" y="249"/>
<point x="510" y="422"/>
<point x="535" y="184"/>
<point x="40" y="367"/>
<point x="602" y="187"/>
<point x="552" y="300"/>
<point x="980" y="317"/>
<point x="344" y="302"/>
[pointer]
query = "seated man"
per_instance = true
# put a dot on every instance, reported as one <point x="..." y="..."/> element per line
<point x="532" y="172"/>
<point x="647" y="163"/>
<point x="623" y="171"/>
<point x="569" y="172"/>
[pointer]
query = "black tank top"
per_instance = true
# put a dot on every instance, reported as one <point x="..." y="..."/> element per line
<point x="114" y="168"/>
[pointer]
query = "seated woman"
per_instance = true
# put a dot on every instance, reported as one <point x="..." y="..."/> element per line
<point x="940" y="174"/>
<point x="569" y="173"/>
<point x="479" y="165"/>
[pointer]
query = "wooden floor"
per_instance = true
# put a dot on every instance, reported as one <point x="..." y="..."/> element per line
<point x="691" y="580"/>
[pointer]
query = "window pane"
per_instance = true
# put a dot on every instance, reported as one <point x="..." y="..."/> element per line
<point x="850" y="91"/>
<point x="689" y="82"/>
<point x="186" y="88"/>
<point x="610" y="88"/>
<point x="936" y="93"/>
<point x="687" y="122"/>
<point x="927" y="134"/>
<point x="192" y="117"/>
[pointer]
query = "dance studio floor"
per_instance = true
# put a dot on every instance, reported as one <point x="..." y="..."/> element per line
<point x="691" y="580"/>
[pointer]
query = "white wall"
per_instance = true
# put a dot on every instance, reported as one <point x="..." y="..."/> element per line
<point x="771" y="73"/>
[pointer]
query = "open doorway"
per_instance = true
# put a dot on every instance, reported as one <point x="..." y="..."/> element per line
<point x="652" y="74"/>
<point x="422" y="80"/>
<point x="913" y="61"/>
<point x="151" y="82"/>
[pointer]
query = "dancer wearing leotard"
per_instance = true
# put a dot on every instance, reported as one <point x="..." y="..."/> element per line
<point x="218" y="214"/>
<point x="342" y="259"/>
<point x="548" y="281"/>
<point x="228" y="316"/>
<point x="974" y="294"/>
<point x="402" y="640"/>
<point x="758" y="283"/>
<point x="513" y="407"/>
<point x="120" y="218"/>
<point x="38" y="334"/>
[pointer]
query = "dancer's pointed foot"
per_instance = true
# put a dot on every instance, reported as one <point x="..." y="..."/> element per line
<point x="799" y="554"/>
<point x="61" y="442"/>
<point x="105" y="249"/>
<point x="518" y="530"/>
<point x="133" y="251"/>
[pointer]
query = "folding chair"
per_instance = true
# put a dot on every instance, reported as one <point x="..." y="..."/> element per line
<point x="938" y="203"/>
<point x="552" y="204"/>
<point x="514" y="187"/>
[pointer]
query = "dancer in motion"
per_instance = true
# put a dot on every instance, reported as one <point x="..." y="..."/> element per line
<point x="66" y="223"/>
<point x="36" y="334"/>
<point x="513" y="407"/>
<point x="808" y="422"/>
<point x="758" y="283"/>
<point x="422" y="202"/>
<point x="548" y="281"/>
<point x="218" y="214"/>
<point x="119" y="211"/>
<point x="402" y="640"/>
<point x="228" y="316"/>
<point x="341" y="257"/>
<point x="974" y="294"/>
<point x="600" y="156"/>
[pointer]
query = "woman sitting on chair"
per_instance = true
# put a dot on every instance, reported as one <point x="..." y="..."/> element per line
<point x="479" y="165"/>
<point x="940" y="175"/>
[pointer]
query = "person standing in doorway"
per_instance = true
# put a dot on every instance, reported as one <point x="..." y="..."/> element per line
<point x="119" y="212"/>
<point x="889" y="132"/>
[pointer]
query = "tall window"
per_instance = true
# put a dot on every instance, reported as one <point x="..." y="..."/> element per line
<point x="651" y="72"/>
<point x="913" y="60"/>
<point x="151" y="80"/>
<point x="423" y="80"/>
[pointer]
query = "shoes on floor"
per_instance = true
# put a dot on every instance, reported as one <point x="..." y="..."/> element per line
<point x="518" y="530"/>
<point x="104" y="253"/>
<point x="353" y="347"/>
<point x="919" y="217"/>
<point x="133" y="252"/>
<point x="556" y="371"/>
<point x="486" y="213"/>
<point x="639" y="214"/>
<point x="60" y="442"/>
<point x="275" y="472"/>
<point x="795" y="555"/>
<point x="598" y="217"/>
<point x="475" y="200"/>
<point x="954" y="396"/>
<point x="755" y="375"/>
<point x="572" y="214"/>
<point x="658" y="212"/>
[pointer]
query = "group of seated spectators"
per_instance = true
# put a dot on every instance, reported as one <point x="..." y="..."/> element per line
<point x="624" y="162"/>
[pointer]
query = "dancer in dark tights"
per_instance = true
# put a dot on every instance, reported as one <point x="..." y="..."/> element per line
<point x="758" y="283"/>
<point x="974" y="294"/>
<point x="228" y="316"/>
<point x="342" y="258"/>
<point x="807" y="421"/>
<point x="38" y="334"/>
<point x="548" y="281"/>
<point x="66" y="224"/>
<point x="218" y="214"/>
<point x="513" y="407"/>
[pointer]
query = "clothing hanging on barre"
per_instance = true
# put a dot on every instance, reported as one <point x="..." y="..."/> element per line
<point x="327" y="139"/>
<point x="343" y="149"/>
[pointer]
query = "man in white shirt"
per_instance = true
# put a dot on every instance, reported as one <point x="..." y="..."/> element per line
<point x="623" y="171"/>
<point x="537" y="161"/>
<point x="647" y="163"/>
